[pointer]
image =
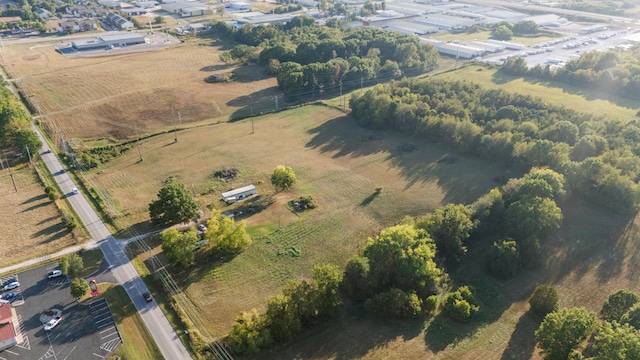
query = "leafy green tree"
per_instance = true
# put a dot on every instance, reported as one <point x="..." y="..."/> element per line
<point x="525" y="27"/>
<point x="460" y="305"/>
<point x="326" y="281"/>
<point x="355" y="280"/>
<point x="224" y="236"/>
<point x="282" y="318"/>
<point x="395" y="303"/>
<point x="449" y="226"/>
<point x="502" y="32"/>
<point x="29" y="139"/>
<point x="632" y="317"/>
<point x="544" y="299"/>
<point x="615" y="341"/>
<point x="563" y="330"/>
<point x="71" y="265"/>
<point x="618" y="304"/>
<point x="175" y="204"/>
<point x="283" y="177"/>
<point x="160" y="20"/>
<point x="179" y="246"/>
<point x="79" y="288"/>
<point x="532" y="216"/>
<point x="249" y="334"/>
<point x="554" y="179"/>
<point x="503" y="260"/>
<point x="402" y="256"/>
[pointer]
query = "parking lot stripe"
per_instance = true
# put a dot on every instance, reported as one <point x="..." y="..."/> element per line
<point x="103" y="325"/>
<point x="106" y="336"/>
<point x="107" y="318"/>
<point x="105" y="330"/>
<point x="101" y="357"/>
<point x="11" y="352"/>
<point x="65" y="358"/>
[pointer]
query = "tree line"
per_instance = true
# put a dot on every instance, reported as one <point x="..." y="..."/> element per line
<point x="15" y="125"/>
<point x="307" y="57"/>
<point x="614" y="71"/>
<point x="597" y="156"/>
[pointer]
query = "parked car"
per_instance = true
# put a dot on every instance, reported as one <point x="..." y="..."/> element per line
<point x="147" y="297"/>
<point x="11" y="286"/>
<point x="9" y="281"/>
<point x="52" y="323"/>
<point x="54" y="274"/>
<point x="202" y="227"/>
<point x="8" y="296"/>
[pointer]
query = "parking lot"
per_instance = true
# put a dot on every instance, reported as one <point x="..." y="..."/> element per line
<point x="85" y="332"/>
<point x="571" y="47"/>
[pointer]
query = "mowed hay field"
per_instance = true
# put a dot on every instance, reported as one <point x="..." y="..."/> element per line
<point x="31" y="223"/>
<point x="113" y="96"/>
<point x="334" y="163"/>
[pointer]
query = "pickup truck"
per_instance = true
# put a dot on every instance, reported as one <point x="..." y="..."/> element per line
<point x="54" y="274"/>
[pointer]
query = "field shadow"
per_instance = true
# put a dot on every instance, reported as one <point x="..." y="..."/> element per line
<point x="217" y="67"/>
<point x="345" y="338"/>
<point x="442" y="333"/>
<point x="52" y="232"/>
<point x="51" y="218"/>
<point x="369" y="199"/>
<point x="522" y="343"/>
<point x="345" y="137"/>
<point x="501" y="78"/>
<point x="256" y="103"/>
<point x="36" y="206"/>
<point x="34" y="198"/>
<point x="591" y="238"/>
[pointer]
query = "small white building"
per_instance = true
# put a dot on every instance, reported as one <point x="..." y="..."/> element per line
<point x="242" y="193"/>
<point x="239" y="6"/>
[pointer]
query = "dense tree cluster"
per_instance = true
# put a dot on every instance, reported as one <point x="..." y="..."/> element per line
<point x="614" y="71"/>
<point x="563" y="332"/>
<point x="15" y="125"/>
<point x="449" y="226"/>
<point x="299" y="305"/>
<point x="597" y="156"/>
<point x="616" y="8"/>
<point x="308" y="59"/>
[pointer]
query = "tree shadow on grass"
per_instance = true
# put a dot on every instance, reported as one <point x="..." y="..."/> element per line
<point x="443" y="332"/>
<point x="347" y="337"/>
<point x="256" y="103"/>
<point x="217" y="67"/>
<point x="369" y="199"/>
<point x="522" y="342"/>
<point x="34" y="198"/>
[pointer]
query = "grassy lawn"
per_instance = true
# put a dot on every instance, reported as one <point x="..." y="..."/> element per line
<point x="31" y="223"/>
<point x="138" y="343"/>
<point x="580" y="99"/>
<point x="91" y="261"/>
<point x="334" y="163"/>
<point x="106" y="99"/>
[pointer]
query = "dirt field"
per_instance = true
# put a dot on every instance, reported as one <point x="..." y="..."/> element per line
<point x="112" y="97"/>
<point x="31" y="224"/>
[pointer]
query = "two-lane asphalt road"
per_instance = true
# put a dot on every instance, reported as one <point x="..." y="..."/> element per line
<point x="127" y="276"/>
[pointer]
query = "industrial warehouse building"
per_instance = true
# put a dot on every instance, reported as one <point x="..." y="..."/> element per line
<point x="238" y="194"/>
<point x="106" y="42"/>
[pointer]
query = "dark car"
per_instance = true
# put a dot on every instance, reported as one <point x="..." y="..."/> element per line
<point x="147" y="297"/>
<point x="8" y="296"/>
<point x="9" y="281"/>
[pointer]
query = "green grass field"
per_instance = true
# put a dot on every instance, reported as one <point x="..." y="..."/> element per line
<point x="556" y="93"/>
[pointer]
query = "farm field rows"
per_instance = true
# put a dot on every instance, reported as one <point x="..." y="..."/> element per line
<point x="31" y="223"/>
<point x="334" y="163"/>
<point x="113" y="97"/>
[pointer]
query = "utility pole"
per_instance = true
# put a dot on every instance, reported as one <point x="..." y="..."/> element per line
<point x="28" y="153"/>
<point x="173" y="120"/>
<point x="135" y="128"/>
<point x="252" y="125"/>
<point x="340" y="92"/>
<point x="180" y="118"/>
<point x="321" y="86"/>
<point x="276" y="102"/>
<point x="10" y="173"/>
<point x="361" y="80"/>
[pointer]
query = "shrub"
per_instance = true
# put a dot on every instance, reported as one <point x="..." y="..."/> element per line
<point x="395" y="303"/>
<point x="544" y="299"/>
<point x="430" y="305"/>
<point x="503" y="260"/>
<point x="460" y="305"/>
<point x="302" y="203"/>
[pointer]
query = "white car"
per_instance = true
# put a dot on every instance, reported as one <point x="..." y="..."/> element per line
<point x="74" y="190"/>
<point x="54" y="274"/>
<point x="11" y="285"/>
<point x="52" y="323"/>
